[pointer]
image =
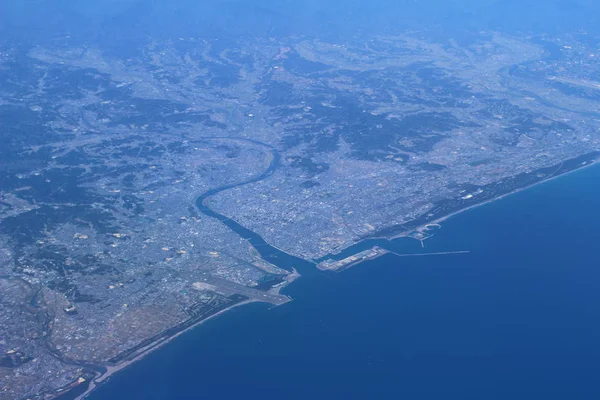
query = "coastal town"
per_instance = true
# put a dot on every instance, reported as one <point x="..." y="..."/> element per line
<point x="313" y="146"/>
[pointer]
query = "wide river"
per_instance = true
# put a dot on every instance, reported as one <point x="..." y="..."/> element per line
<point x="516" y="318"/>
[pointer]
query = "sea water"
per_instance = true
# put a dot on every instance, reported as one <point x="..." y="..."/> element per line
<point x="516" y="318"/>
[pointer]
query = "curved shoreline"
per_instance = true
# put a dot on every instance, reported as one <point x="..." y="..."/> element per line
<point x="500" y="197"/>
<point x="410" y="231"/>
<point x="200" y="203"/>
<point x="203" y="206"/>
<point x="110" y="370"/>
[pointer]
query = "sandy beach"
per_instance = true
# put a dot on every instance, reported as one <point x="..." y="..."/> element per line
<point x="110" y="370"/>
<point x="292" y="277"/>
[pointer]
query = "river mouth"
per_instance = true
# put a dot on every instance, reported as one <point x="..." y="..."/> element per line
<point x="515" y="318"/>
<point x="395" y="239"/>
<point x="267" y="252"/>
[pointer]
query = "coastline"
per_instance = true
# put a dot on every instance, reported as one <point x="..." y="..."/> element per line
<point x="500" y="197"/>
<point x="289" y="279"/>
<point x="410" y="232"/>
<point x="443" y="218"/>
<point x="403" y="306"/>
<point x="110" y="370"/>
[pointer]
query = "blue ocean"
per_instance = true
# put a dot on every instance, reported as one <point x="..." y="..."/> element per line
<point x="516" y="318"/>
